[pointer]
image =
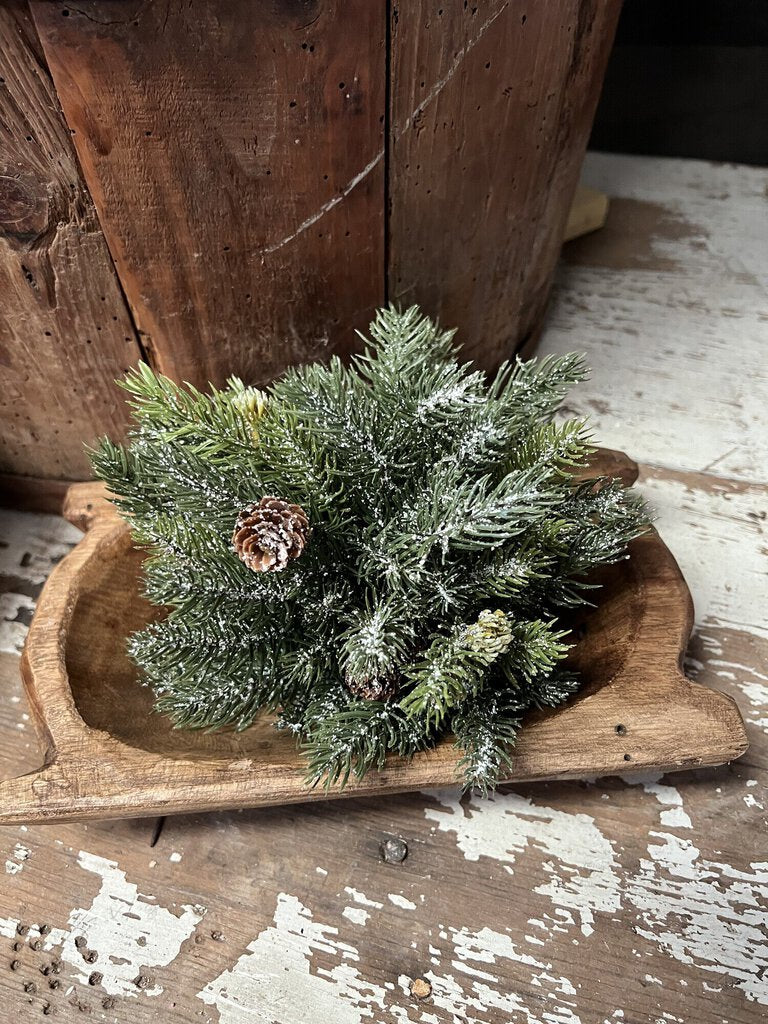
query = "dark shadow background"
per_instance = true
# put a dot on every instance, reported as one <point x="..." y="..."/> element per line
<point x="688" y="78"/>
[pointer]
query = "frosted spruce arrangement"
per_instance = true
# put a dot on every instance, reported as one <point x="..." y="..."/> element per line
<point x="377" y="553"/>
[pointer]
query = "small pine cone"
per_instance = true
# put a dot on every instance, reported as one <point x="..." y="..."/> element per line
<point x="491" y="634"/>
<point x="372" y="687"/>
<point x="269" y="534"/>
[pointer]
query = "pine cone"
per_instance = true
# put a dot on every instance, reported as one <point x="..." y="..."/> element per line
<point x="268" y="535"/>
<point x="372" y="687"/>
<point x="491" y="634"/>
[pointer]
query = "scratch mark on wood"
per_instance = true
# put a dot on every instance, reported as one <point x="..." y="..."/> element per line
<point x="315" y="217"/>
<point x="461" y="53"/>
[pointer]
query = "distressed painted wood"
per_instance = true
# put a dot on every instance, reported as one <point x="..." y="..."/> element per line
<point x="670" y="297"/>
<point x="235" y="153"/>
<point x="90" y="709"/>
<point x="629" y="898"/>
<point x="65" y="332"/>
<point x="492" y="103"/>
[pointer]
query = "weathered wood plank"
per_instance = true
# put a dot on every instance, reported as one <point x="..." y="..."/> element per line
<point x="668" y="303"/>
<point x="65" y="332"/>
<point x="235" y="154"/>
<point x="492" y="103"/>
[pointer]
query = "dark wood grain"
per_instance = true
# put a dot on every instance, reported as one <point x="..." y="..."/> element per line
<point x="89" y="707"/>
<point x="235" y="154"/>
<point x="492" y="104"/>
<point x="65" y="332"/>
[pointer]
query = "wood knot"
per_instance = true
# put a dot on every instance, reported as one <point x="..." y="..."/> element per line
<point x="24" y="209"/>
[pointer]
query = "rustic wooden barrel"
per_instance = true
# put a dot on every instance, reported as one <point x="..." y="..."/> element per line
<point x="230" y="187"/>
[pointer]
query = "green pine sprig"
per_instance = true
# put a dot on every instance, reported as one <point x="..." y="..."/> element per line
<point x="448" y="538"/>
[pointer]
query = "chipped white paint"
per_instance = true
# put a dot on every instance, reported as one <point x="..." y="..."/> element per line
<point x="401" y="901"/>
<point x="673" y="815"/>
<point x="479" y="987"/>
<point x="272" y="981"/>
<point x="32" y="544"/>
<point x="15" y="862"/>
<point x="361" y="898"/>
<point x="661" y="340"/>
<point x="749" y="681"/>
<point x="128" y="930"/>
<point x="175" y="857"/>
<point x="757" y="695"/>
<point x="356" y="915"/>
<point x="485" y="946"/>
<point x="580" y="863"/>
<point x="725" y="566"/>
<point x="298" y="963"/>
<point x="13" y="628"/>
<point x="700" y="912"/>
<point x="35" y="543"/>
<point x="704" y="913"/>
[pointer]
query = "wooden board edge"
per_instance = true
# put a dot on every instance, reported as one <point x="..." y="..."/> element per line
<point x="588" y="212"/>
<point x="33" y="493"/>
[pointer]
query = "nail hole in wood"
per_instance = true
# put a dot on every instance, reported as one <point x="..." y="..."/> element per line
<point x="627" y="757"/>
<point x="621" y="730"/>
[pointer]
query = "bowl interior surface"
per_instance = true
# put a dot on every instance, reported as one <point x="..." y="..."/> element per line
<point x="109" y="695"/>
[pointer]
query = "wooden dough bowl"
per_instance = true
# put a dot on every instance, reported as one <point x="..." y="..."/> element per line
<point x="107" y="754"/>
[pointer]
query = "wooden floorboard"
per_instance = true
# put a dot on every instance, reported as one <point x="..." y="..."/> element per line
<point x="632" y="900"/>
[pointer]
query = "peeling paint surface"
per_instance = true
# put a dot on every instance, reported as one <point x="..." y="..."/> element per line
<point x="15" y="862"/>
<point x="633" y="900"/>
<point x="31" y="546"/>
<point x="580" y="862"/>
<point x="702" y="913"/>
<point x="272" y="982"/>
<point x="127" y="929"/>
